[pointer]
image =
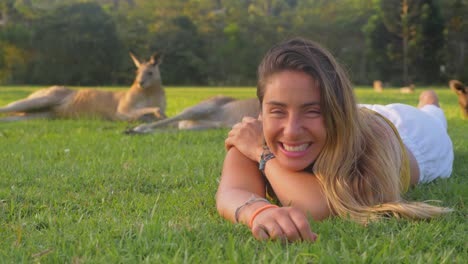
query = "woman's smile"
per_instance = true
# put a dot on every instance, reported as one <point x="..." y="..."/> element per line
<point x="294" y="150"/>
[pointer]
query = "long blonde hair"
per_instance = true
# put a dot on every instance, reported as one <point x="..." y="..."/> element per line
<point x="359" y="166"/>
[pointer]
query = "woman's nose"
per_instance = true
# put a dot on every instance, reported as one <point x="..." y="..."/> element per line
<point x="293" y="126"/>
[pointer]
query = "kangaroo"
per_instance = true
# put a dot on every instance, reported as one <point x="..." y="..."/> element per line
<point x="407" y="89"/>
<point x="144" y="101"/>
<point x="378" y="87"/>
<point x="215" y="112"/>
<point x="462" y="91"/>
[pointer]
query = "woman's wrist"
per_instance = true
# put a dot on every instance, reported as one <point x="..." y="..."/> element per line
<point x="247" y="211"/>
<point x="258" y="154"/>
<point x="251" y="200"/>
<point x="264" y="158"/>
<point x="258" y="211"/>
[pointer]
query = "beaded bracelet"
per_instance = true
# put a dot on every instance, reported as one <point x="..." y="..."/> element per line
<point x="266" y="156"/>
<point x="251" y="200"/>
<point x="258" y="211"/>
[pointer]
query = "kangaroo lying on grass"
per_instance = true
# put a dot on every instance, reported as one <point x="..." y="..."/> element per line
<point x="407" y="89"/>
<point x="145" y="101"/>
<point x="215" y="112"/>
<point x="222" y="111"/>
<point x="462" y="91"/>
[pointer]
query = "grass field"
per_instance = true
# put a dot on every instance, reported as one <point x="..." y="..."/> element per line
<point x="83" y="192"/>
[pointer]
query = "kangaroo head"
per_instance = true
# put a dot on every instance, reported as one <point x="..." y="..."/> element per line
<point x="462" y="91"/>
<point x="148" y="74"/>
<point x="458" y="87"/>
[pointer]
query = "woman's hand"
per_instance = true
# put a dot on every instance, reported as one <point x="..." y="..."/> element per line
<point x="247" y="137"/>
<point x="283" y="223"/>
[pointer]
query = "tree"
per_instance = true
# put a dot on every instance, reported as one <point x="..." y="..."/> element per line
<point x="76" y="45"/>
<point x="15" y="43"/>
<point x="379" y="50"/>
<point x="428" y="44"/>
<point x="456" y="38"/>
<point x="398" y="17"/>
<point x="412" y="32"/>
<point x="182" y="49"/>
<point x="220" y="42"/>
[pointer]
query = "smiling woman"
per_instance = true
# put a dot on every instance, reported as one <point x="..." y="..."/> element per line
<point x="318" y="153"/>
<point x="293" y="126"/>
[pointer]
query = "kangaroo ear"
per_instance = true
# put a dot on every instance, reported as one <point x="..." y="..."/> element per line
<point x="458" y="86"/>
<point x="156" y="58"/>
<point x="135" y="60"/>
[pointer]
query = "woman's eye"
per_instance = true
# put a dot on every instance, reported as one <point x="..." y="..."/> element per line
<point x="276" y="112"/>
<point x="313" y="112"/>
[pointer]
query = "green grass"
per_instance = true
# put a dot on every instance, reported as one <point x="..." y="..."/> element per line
<point x="83" y="192"/>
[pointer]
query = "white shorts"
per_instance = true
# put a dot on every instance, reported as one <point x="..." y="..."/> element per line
<point x="424" y="132"/>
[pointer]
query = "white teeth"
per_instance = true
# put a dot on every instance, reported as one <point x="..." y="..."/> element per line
<point x="295" y="148"/>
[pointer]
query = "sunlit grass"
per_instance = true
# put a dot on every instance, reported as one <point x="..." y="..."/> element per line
<point x="81" y="191"/>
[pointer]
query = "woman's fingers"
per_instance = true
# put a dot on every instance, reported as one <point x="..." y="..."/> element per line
<point x="247" y="137"/>
<point x="247" y="119"/>
<point x="230" y="140"/>
<point x="236" y="125"/>
<point x="228" y="143"/>
<point x="290" y="231"/>
<point x="302" y="225"/>
<point x="270" y="230"/>
<point x="295" y="225"/>
<point x="285" y="224"/>
<point x="261" y="232"/>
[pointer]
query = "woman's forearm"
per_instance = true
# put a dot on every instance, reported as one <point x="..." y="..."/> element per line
<point x="240" y="180"/>
<point x="297" y="189"/>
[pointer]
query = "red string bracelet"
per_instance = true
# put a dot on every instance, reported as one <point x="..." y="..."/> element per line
<point x="258" y="211"/>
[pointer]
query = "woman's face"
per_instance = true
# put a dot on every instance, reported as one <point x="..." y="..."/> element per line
<point x="293" y="124"/>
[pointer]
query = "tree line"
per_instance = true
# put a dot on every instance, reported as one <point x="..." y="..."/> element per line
<point x="220" y="42"/>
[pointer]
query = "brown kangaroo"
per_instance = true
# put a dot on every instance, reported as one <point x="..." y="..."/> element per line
<point x="144" y="101"/>
<point x="462" y="91"/>
<point x="407" y="89"/>
<point x="215" y="112"/>
<point x="378" y="87"/>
